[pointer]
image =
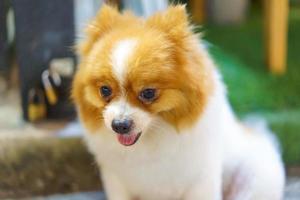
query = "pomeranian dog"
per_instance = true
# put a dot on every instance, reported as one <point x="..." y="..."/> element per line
<point x="157" y="118"/>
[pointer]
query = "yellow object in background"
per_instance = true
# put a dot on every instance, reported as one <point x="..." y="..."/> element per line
<point x="276" y="33"/>
<point x="51" y="96"/>
<point x="49" y="89"/>
<point x="36" y="105"/>
<point x="36" y="112"/>
<point x="198" y="10"/>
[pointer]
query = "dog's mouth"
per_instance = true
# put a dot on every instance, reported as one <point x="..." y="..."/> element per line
<point x="128" y="139"/>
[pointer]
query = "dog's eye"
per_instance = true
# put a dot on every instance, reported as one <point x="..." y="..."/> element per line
<point x="105" y="91"/>
<point x="147" y="95"/>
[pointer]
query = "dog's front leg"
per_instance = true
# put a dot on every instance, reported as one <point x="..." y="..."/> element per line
<point x="114" y="189"/>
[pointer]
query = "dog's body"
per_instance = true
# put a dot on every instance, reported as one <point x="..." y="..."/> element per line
<point x="199" y="152"/>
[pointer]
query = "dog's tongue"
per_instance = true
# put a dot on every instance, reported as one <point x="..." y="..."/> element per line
<point x="127" y="139"/>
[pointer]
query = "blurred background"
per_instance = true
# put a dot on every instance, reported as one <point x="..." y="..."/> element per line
<point x="255" y="43"/>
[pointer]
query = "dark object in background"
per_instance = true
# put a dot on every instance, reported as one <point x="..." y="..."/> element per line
<point x="227" y="12"/>
<point x="44" y="31"/>
<point x="4" y="47"/>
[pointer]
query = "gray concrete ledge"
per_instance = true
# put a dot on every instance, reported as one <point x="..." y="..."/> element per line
<point x="38" y="166"/>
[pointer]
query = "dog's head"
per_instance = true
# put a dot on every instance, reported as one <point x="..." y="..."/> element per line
<point x="133" y="71"/>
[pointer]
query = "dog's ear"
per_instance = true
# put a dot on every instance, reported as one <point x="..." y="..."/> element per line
<point x="174" y="22"/>
<point x="107" y="17"/>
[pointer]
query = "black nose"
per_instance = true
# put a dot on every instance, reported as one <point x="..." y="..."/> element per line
<point x="122" y="126"/>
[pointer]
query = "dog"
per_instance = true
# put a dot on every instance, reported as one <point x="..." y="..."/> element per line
<point x="157" y="118"/>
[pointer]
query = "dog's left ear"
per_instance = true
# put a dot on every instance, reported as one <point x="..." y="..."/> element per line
<point x="174" y="22"/>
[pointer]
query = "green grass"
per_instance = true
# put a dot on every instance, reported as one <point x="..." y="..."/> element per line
<point x="239" y="52"/>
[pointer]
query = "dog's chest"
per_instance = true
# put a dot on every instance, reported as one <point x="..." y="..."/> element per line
<point x="164" y="167"/>
<point x="161" y="175"/>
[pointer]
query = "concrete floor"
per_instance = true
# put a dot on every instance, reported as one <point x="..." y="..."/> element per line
<point x="292" y="192"/>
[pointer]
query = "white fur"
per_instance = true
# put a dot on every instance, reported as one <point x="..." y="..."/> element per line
<point x="120" y="55"/>
<point x="215" y="154"/>
<point x="121" y="109"/>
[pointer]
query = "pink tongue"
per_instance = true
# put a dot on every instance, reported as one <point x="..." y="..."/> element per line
<point x="127" y="139"/>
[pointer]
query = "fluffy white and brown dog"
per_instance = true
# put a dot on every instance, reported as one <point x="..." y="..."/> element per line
<point x="157" y="117"/>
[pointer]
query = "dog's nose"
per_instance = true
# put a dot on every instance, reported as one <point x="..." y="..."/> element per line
<point x="122" y="126"/>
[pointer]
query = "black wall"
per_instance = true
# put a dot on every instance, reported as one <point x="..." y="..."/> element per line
<point x="3" y="36"/>
<point x="44" y="30"/>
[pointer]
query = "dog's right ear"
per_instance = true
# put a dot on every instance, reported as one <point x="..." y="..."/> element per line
<point x="105" y="20"/>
